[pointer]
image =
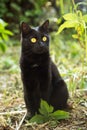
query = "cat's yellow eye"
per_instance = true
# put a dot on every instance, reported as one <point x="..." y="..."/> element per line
<point x="33" y="40"/>
<point x="44" y="39"/>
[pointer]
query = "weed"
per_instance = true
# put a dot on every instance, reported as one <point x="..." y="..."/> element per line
<point x="47" y="113"/>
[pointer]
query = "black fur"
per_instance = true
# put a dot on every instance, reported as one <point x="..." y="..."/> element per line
<point x="40" y="76"/>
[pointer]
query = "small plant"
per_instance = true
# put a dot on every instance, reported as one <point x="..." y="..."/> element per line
<point x="78" y="21"/>
<point x="47" y="113"/>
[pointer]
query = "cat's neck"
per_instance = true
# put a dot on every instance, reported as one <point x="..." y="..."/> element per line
<point x="36" y="60"/>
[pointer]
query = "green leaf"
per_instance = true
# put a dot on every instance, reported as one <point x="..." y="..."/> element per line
<point x="75" y="36"/>
<point x="3" y="23"/>
<point x="8" y="32"/>
<point x="45" y="109"/>
<point x="59" y="114"/>
<point x="1" y="28"/>
<point x="85" y="18"/>
<point x="70" y="16"/>
<point x="3" y="46"/>
<point x="67" y="24"/>
<point x="51" y="109"/>
<point x="37" y="118"/>
<point x="5" y="37"/>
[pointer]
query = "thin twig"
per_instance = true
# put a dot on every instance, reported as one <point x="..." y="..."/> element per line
<point x="85" y="112"/>
<point x="81" y="90"/>
<point x="19" y="126"/>
<point x="12" y="112"/>
<point x="41" y="126"/>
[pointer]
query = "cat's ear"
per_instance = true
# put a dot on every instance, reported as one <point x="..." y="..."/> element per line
<point x="24" y="28"/>
<point x="45" y="26"/>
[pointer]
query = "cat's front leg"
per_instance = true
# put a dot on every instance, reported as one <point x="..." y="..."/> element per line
<point x="45" y="91"/>
<point x="45" y="85"/>
<point x="32" y="101"/>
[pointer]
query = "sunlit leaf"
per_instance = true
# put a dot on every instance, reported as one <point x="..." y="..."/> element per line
<point x="70" y="16"/>
<point x="67" y="24"/>
<point x="5" y="37"/>
<point x="8" y="32"/>
<point x="75" y="36"/>
<point x="3" y="46"/>
<point x="3" y="23"/>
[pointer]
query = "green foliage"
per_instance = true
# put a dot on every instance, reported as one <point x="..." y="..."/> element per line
<point x="47" y="114"/>
<point x="74" y="20"/>
<point x="28" y="10"/>
<point x="78" y="21"/>
<point x="4" y="35"/>
<point x="75" y="50"/>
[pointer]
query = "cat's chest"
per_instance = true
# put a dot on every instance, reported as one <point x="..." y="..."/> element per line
<point x="36" y="72"/>
<point x="37" y="60"/>
<point x="35" y="66"/>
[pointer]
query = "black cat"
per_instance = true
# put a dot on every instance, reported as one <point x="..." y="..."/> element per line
<point x="40" y="76"/>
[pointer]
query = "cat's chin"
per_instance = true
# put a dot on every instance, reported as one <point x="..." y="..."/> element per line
<point x="41" y="51"/>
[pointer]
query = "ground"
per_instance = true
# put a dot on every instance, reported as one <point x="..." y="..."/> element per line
<point x="12" y="106"/>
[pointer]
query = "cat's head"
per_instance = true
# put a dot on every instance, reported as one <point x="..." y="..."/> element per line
<point x="35" y="40"/>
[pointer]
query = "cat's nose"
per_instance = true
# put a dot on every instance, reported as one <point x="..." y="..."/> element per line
<point x="41" y="44"/>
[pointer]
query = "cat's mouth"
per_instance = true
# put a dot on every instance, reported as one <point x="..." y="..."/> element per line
<point x="41" y="50"/>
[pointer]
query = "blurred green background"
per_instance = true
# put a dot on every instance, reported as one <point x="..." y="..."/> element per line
<point x="65" y="50"/>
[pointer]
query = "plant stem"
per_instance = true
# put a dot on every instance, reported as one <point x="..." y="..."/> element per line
<point x="85" y="39"/>
<point x="86" y="49"/>
<point x="62" y="6"/>
<point x="73" y="2"/>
